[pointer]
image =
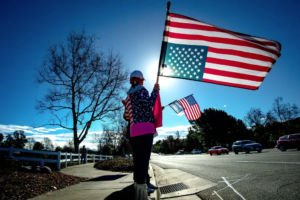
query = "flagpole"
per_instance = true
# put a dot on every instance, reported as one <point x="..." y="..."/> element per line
<point x="158" y="72"/>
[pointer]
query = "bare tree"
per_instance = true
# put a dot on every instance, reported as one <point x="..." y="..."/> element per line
<point x="69" y="146"/>
<point x="118" y="131"/>
<point x="177" y="135"/>
<point x="255" y="118"/>
<point x="48" y="143"/>
<point x="109" y="137"/>
<point x="101" y="139"/>
<point x="114" y="135"/>
<point x="70" y="143"/>
<point x="30" y="143"/>
<point x="85" y="84"/>
<point x="284" y="111"/>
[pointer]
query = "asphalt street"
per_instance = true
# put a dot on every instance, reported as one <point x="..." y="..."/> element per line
<point x="271" y="174"/>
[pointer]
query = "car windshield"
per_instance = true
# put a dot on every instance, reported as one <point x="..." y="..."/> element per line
<point x="247" y="142"/>
<point x="292" y="137"/>
<point x="218" y="147"/>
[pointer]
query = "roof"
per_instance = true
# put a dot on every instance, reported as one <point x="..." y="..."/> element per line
<point x="291" y="134"/>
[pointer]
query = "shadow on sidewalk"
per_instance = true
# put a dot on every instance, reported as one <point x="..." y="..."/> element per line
<point x="106" y="178"/>
<point x="126" y="193"/>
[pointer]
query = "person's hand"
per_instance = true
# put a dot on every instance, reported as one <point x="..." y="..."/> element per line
<point x="156" y="87"/>
<point x="123" y="102"/>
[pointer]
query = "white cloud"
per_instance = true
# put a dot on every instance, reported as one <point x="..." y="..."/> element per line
<point x="180" y="114"/>
<point x="27" y="129"/>
<point x="60" y="136"/>
<point x="45" y="130"/>
<point x="11" y="128"/>
<point x="166" y="131"/>
<point x="225" y="106"/>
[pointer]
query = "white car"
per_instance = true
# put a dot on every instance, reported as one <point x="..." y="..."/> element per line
<point x="196" y="151"/>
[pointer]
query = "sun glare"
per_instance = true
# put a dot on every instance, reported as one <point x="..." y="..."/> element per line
<point x="152" y="75"/>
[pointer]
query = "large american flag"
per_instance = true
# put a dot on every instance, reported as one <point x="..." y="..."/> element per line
<point x="190" y="107"/>
<point x="199" y="51"/>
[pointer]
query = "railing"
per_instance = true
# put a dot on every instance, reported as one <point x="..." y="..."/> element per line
<point x="68" y="157"/>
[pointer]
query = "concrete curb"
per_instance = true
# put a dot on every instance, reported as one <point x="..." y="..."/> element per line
<point x="156" y="194"/>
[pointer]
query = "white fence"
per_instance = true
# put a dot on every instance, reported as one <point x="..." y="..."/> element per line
<point x="68" y="157"/>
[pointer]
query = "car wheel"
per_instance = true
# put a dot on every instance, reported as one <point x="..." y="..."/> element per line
<point x="259" y="151"/>
<point x="246" y="150"/>
<point x="218" y="153"/>
<point x="236" y="152"/>
<point x="281" y="147"/>
<point x="227" y="152"/>
<point x="210" y="154"/>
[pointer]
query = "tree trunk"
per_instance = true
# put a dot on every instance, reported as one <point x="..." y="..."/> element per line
<point x="76" y="142"/>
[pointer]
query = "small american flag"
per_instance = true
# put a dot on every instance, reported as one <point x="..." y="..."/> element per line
<point x="199" y="51"/>
<point x="191" y="108"/>
<point x="176" y="106"/>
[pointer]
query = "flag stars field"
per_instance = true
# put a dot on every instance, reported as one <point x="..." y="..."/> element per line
<point x="188" y="68"/>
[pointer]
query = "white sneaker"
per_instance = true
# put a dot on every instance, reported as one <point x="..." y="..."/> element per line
<point x="141" y="192"/>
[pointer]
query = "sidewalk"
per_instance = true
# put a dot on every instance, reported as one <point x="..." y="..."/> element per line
<point x="107" y="185"/>
<point x="101" y="185"/>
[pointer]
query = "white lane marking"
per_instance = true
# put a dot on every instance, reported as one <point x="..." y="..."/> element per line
<point x="217" y="195"/>
<point x="271" y="162"/>
<point x="233" y="188"/>
<point x="243" y="178"/>
<point x="239" y="176"/>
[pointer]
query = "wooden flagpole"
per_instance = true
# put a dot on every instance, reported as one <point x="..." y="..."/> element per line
<point x="158" y="72"/>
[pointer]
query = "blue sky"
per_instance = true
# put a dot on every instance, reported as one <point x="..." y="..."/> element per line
<point x="134" y="29"/>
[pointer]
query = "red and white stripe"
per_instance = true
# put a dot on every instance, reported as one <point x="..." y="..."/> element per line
<point x="233" y="59"/>
<point x="128" y="110"/>
<point x="191" y="112"/>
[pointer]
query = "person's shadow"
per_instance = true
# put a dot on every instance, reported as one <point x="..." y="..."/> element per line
<point x="126" y="193"/>
<point x="106" y="178"/>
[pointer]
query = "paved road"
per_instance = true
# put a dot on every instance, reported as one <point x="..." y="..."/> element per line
<point x="271" y="174"/>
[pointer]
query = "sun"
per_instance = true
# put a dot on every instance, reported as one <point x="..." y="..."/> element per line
<point x="151" y="76"/>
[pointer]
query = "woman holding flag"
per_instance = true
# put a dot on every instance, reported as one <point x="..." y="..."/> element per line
<point x="139" y="111"/>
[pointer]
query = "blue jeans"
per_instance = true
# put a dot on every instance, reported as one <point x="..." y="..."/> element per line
<point x="141" y="153"/>
<point x="83" y="158"/>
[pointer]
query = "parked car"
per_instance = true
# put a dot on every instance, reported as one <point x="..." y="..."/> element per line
<point x="196" y="151"/>
<point x="218" y="150"/>
<point x="178" y="153"/>
<point x="291" y="141"/>
<point x="246" y="146"/>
